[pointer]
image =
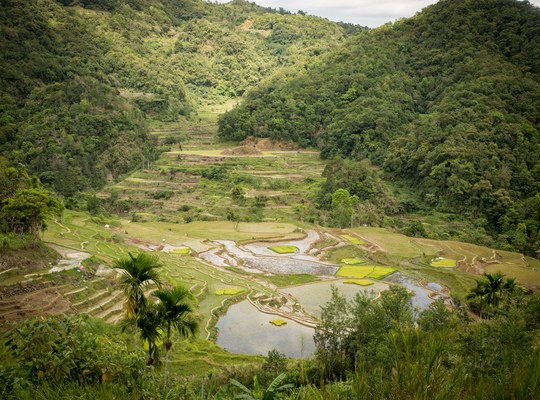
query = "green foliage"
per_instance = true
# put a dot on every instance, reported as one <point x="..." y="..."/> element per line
<point x="216" y="172"/>
<point x="490" y="293"/>
<point x="237" y="193"/>
<point x="415" y="229"/>
<point x="175" y="311"/>
<point x="274" y="365"/>
<point x="80" y="80"/>
<point x="446" y="356"/>
<point x="138" y="272"/>
<point x="342" y="207"/>
<point x="163" y="194"/>
<point x="258" y="393"/>
<point x="13" y="241"/>
<point x="445" y="103"/>
<point x="28" y="209"/>
<point x="67" y="349"/>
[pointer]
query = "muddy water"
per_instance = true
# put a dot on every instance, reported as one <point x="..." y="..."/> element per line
<point x="212" y="257"/>
<point x="246" y="330"/>
<point x="303" y="245"/>
<point x="277" y="264"/>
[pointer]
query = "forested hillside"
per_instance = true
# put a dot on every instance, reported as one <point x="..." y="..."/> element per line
<point x="81" y="78"/>
<point x="446" y="102"/>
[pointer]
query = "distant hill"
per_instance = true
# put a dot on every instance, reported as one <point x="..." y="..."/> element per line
<point x="446" y="102"/>
<point x="80" y="78"/>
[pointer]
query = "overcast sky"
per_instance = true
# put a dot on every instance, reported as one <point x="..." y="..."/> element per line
<point x="370" y="13"/>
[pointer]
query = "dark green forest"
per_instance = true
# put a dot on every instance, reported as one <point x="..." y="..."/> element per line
<point x="446" y="103"/>
<point x="81" y="79"/>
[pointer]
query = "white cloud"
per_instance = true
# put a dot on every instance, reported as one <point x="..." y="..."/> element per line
<point x="370" y="13"/>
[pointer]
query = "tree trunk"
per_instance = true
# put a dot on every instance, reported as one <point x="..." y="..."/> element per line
<point x="166" y="372"/>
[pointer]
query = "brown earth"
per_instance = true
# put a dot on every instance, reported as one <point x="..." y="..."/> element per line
<point x="31" y="300"/>
<point x="265" y="144"/>
<point x="28" y="259"/>
<point x="241" y="151"/>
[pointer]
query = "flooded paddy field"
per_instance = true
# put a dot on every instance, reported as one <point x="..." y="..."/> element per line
<point x="244" y="329"/>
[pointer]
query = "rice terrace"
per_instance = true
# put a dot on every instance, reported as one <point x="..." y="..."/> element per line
<point x="218" y="200"/>
<point x="268" y="264"/>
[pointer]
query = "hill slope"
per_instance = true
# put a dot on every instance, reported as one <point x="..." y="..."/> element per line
<point x="447" y="102"/>
<point x="80" y="78"/>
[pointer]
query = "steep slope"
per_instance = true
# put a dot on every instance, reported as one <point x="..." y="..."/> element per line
<point x="80" y="78"/>
<point x="447" y="101"/>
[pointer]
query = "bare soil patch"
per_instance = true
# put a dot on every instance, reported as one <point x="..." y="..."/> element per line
<point x="265" y="144"/>
<point x="27" y="301"/>
<point x="241" y="151"/>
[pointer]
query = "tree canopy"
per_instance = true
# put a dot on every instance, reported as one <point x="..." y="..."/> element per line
<point x="445" y="102"/>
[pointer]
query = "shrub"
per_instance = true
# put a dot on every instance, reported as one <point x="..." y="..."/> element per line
<point x="59" y="350"/>
<point x="163" y="194"/>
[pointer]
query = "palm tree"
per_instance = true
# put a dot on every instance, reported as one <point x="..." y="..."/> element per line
<point x="148" y="322"/>
<point x="492" y="291"/>
<point x="175" y="310"/>
<point x="138" y="272"/>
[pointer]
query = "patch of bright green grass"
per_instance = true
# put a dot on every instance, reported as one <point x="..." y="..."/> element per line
<point x="353" y="240"/>
<point x="284" y="249"/>
<point x="443" y="262"/>
<point x="365" y="271"/>
<point x="360" y="282"/>
<point x="278" y="322"/>
<point x="290" y="280"/>
<point x="181" y="250"/>
<point x="352" y="261"/>
<point x="229" y="291"/>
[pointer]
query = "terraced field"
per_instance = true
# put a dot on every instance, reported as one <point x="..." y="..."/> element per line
<point x="185" y="207"/>
<point x="194" y="179"/>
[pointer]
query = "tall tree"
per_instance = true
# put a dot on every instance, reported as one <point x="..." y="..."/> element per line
<point x="176" y="311"/>
<point x="138" y="272"/>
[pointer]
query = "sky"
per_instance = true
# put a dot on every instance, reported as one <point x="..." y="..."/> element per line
<point x="370" y="13"/>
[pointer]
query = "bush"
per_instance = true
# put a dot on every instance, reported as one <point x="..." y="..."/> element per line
<point x="63" y="350"/>
<point x="13" y="241"/>
<point x="163" y="194"/>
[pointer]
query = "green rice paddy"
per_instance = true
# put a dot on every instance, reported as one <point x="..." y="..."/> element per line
<point x="365" y="271"/>
<point x="284" y="249"/>
<point x="182" y="251"/>
<point x="278" y="322"/>
<point x="229" y="291"/>
<point x="353" y="240"/>
<point x="443" y="262"/>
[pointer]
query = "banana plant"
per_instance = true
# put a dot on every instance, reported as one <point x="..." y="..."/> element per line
<point x="258" y="393"/>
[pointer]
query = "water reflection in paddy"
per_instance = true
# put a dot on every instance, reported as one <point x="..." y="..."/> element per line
<point x="312" y="296"/>
<point x="246" y="330"/>
<point x="422" y="296"/>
